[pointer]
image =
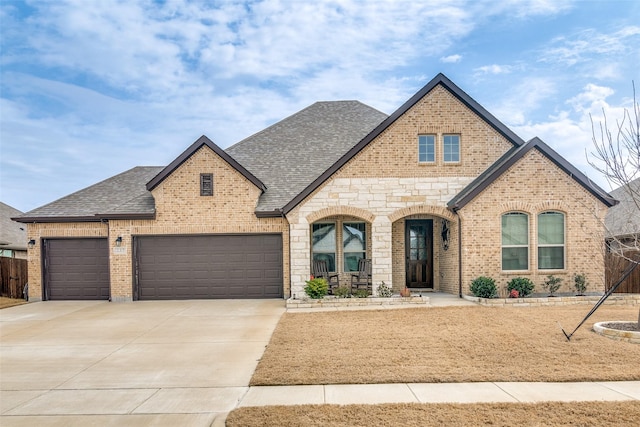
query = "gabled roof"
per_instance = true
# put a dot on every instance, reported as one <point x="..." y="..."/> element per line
<point x="439" y="80"/>
<point x="623" y="220"/>
<point x="200" y="142"/>
<point x="123" y="195"/>
<point x="293" y="152"/>
<point x="12" y="235"/>
<point x="510" y="158"/>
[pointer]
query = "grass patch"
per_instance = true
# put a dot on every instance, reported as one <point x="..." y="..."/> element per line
<point x="10" y="302"/>
<point x="619" y="414"/>
<point x="449" y="344"/>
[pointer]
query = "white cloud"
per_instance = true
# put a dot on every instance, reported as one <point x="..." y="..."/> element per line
<point x="493" y="69"/>
<point x="451" y="59"/>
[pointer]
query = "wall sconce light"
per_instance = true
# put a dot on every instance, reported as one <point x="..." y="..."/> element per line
<point x="445" y="234"/>
<point x="119" y="241"/>
<point x="31" y="243"/>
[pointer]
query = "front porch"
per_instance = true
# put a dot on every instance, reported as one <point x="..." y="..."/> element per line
<point x="414" y="250"/>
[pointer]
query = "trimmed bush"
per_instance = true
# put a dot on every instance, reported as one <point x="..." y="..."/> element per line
<point x="316" y="288"/>
<point x="342" y="292"/>
<point x="523" y="285"/>
<point x="484" y="287"/>
<point x="580" y="283"/>
<point x="552" y="284"/>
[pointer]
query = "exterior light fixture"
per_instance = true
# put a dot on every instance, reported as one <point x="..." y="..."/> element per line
<point x="31" y="243"/>
<point x="119" y="241"/>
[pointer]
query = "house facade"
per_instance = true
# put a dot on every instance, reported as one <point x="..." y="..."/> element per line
<point x="434" y="195"/>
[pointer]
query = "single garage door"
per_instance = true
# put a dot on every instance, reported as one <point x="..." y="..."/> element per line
<point x="76" y="269"/>
<point x="208" y="266"/>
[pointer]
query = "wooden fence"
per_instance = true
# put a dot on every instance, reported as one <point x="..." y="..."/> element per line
<point x="615" y="265"/>
<point x="14" y="276"/>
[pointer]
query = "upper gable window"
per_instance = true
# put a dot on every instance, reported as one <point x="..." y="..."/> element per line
<point x="451" y="148"/>
<point x="426" y="148"/>
<point x="206" y="184"/>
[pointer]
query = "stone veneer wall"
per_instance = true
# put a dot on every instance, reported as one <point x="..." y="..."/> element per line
<point x="39" y="231"/>
<point x="534" y="185"/>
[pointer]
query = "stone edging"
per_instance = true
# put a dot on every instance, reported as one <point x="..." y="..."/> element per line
<point x="628" y="299"/>
<point x="629" y="336"/>
<point x="355" y="302"/>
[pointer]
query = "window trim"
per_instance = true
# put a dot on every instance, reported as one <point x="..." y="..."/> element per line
<point x="206" y="189"/>
<point x="434" y="145"/>
<point x="451" y="162"/>
<point x="527" y="245"/>
<point x="552" y="245"/>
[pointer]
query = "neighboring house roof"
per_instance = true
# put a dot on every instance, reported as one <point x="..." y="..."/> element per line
<point x="494" y="171"/>
<point x="441" y="80"/>
<point x="623" y="220"/>
<point x="200" y="142"/>
<point x="12" y="234"/>
<point x="122" y="196"/>
<point x="293" y="152"/>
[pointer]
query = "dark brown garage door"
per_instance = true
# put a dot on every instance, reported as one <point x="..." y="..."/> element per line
<point x="208" y="266"/>
<point x="76" y="269"/>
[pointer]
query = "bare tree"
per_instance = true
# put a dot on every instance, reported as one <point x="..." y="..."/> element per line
<point x="616" y="156"/>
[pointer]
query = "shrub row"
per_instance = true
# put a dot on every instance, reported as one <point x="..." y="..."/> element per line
<point x="520" y="287"/>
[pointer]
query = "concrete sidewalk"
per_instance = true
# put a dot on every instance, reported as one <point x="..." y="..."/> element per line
<point x="344" y="394"/>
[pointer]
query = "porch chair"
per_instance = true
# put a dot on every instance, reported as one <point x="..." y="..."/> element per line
<point x="362" y="280"/>
<point x="320" y="270"/>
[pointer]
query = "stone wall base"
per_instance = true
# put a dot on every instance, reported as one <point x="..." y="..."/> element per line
<point x="620" y="299"/>
<point x="371" y="302"/>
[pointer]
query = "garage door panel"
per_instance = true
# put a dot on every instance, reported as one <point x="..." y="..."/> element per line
<point x="209" y="266"/>
<point x="76" y="269"/>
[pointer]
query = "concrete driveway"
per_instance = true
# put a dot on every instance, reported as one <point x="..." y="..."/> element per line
<point x="143" y="363"/>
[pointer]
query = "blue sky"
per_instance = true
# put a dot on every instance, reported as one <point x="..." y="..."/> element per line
<point x="91" y="88"/>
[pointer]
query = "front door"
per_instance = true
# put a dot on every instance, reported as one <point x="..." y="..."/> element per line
<point x="419" y="253"/>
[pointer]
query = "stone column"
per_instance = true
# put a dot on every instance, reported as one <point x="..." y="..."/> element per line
<point x="381" y="251"/>
<point x="300" y="255"/>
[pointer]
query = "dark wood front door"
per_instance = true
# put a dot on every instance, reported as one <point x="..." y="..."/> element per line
<point x="419" y="253"/>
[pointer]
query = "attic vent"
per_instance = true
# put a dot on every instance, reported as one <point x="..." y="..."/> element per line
<point x="206" y="184"/>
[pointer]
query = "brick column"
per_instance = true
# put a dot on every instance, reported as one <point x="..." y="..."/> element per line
<point x="381" y="251"/>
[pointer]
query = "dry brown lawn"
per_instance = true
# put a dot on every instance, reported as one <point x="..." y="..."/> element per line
<point x="619" y="414"/>
<point x="450" y="344"/>
<point x="10" y="302"/>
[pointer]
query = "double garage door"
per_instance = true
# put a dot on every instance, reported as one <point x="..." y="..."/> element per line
<point x="169" y="267"/>
<point x="208" y="266"/>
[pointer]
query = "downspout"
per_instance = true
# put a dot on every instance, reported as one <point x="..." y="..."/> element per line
<point x="459" y="255"/>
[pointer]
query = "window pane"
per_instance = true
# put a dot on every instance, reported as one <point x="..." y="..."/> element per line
<point x="515" y="258"/>
<point x="324" y="238"/>
<point x="351" y="260"/>
<point x="515" y="229"/>
<point x="426" y="148"/>
<point x="451" y="148"/>
<point x="330" y="259"/>
<point x="551" y="228"/>
<point x="353" y="237"/>
<point x="551" y="258"/>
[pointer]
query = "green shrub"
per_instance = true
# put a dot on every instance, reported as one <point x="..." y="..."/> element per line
<point x="342" y="292"/>
<point x="384" y="290"/>
<point x="484" y="287"/>
<point x="316" y="288"/>
<point x="523" y="285"/>
<point x="580" y="283"/>
<point x="361" y="293"/>
<point x="552" y="284"/>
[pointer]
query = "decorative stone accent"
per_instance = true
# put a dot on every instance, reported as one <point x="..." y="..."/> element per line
<point x="615" y="334"/>
<point x="339" y="303"/>
<point x="630" y="299"/>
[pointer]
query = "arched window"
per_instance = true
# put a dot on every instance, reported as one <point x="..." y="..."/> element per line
<point x="515" y="241"/>
<point x="550" y="241"/>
